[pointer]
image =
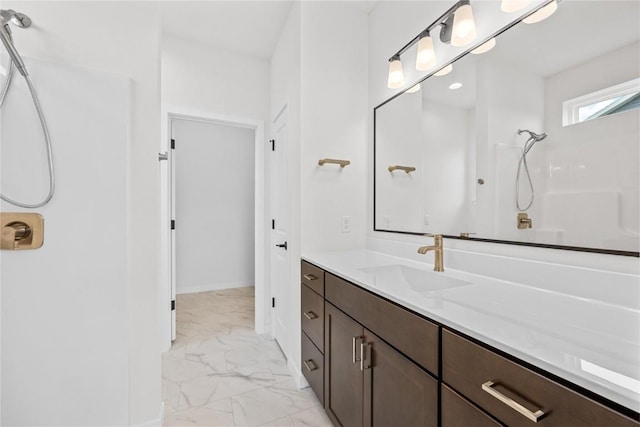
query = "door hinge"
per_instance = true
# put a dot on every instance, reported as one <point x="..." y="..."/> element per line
<point x="273" y="224"/>
<point x="273" y="144"/>
<point x="173" y="144"/>
<point x="173" y="224"/>
<point x="273" y="302"/>
<point x="173" y="305"/>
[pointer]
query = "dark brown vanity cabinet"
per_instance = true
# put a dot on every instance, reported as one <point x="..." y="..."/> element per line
<point x="382" y="365"/>
<point x="368" y="383"/>
<point x="312" y="320"/>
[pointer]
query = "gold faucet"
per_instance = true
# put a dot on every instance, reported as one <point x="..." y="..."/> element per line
<point x="438" y="264"/>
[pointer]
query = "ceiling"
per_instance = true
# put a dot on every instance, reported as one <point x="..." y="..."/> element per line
<point x="248" y="27"/>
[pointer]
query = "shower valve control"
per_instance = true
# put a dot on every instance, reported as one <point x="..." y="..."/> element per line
<point x="21" y="230"/>
<point x="524" y="221"/>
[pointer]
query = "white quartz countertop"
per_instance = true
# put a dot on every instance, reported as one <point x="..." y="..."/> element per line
<point x="591" y="343"/>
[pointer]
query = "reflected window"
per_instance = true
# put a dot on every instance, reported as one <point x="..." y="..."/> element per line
<point x="605" y="102"/>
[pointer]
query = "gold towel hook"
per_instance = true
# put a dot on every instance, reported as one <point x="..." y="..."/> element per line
<point x="407" y="169"/>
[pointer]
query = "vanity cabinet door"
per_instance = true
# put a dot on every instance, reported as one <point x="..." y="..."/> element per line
<point x="343" y="377"/>
<point x="396" y="391"/>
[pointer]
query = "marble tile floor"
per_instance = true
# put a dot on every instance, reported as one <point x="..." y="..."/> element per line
<point x="219" y="372"/>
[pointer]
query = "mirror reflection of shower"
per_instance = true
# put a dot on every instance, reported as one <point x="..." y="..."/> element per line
<point x="533" y="139"/>
<point x="21" y="20"/>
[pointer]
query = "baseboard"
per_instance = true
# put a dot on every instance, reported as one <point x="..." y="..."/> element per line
<point x="157" y="422"/>
<point x="296" y="374"/>
<point x="213" y="287"/>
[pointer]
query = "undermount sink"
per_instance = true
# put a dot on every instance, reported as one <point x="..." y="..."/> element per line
<point x="419" y="280"/>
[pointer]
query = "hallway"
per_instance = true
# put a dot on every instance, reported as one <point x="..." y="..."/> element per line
<point x="220" y="373"/>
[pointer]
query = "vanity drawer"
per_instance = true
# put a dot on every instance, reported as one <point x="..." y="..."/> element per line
<point x="312" y="276"/>
<point x="467" y="366"/>
<point x="313" y="367"/>
<point x="459" y="412"/>
<point x="409" y="333"/>
<point x="313" y="316"/>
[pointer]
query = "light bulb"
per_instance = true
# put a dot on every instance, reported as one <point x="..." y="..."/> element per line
<point x="414" y="88"/>
<point x="510" y="6"/>
<point x="426" y="56"/>
<point x="396" y="75"/>
<point x="464" y="26"/>
<point x="484" y="47"/>
<point x="446" y="70"/>
<point x="542" y="14"/>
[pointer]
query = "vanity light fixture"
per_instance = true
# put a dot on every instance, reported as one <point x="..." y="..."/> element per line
<point x="446" y="70"/>
<point x="458" y="28"/>
<point x="510" y="6"/>
<point x="542" y="13"/>
<point x="396" y="75"/>
<point x="414" y="88"/>
<point x="456" y="85"/>
<point x="464" y="26"/>
<point x="426" y="56"/>
<point x="485" y="47"/>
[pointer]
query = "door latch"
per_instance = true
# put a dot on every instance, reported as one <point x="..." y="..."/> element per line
<point x="282" y="245"/>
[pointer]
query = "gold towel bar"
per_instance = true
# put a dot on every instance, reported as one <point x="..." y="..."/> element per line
<point x="407" y="169"/>
<point x="342" y="163"/>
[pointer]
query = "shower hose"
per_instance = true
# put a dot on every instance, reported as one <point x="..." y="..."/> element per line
<point x="45" y="131"/>
<point x="523" y="161"/>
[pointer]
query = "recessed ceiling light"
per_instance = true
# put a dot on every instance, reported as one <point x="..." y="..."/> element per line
<point x="456" y="85"/>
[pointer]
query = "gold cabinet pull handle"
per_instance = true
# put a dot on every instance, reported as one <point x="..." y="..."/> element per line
<point x="533" y="416"/>
<point x="310" y="365"/>
<point x="309" y="277"/>
<point x="310" y="315"/>
<point x="353" y="349"/>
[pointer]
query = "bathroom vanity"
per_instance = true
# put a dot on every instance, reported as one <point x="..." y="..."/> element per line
<point x="387" y="342"/>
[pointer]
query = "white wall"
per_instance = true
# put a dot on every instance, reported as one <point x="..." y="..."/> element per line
<point x="399" y="142"/>
<point x="99" y="36"/>
<point x="391" y="25"/>
<point x="318" y="71"/>
<point x="214" y="206"/>
<point x="445" y="129"/>
<point x="333" y="124"/>
<point x="65" y="315"/>
<point x="210" y="79"/>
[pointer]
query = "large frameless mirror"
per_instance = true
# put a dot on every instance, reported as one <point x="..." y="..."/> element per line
<point x="533" y="142"/>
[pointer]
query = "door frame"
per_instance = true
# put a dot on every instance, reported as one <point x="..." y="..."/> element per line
<point x="262" y="275"/>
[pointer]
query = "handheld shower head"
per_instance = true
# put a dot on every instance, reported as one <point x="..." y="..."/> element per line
<point x="535" y="136"/>
<point x="6" y="16"/>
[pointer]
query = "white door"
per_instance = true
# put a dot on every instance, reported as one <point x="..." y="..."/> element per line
<point x="280" y="232"/>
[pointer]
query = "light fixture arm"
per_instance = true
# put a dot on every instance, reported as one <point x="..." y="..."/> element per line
<point x="445" y="20"/>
